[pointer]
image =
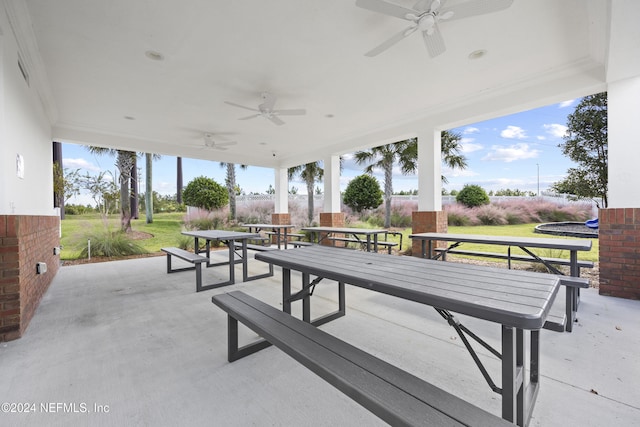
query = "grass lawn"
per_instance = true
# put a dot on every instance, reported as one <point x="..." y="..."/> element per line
<point x="166" y="228"/>
<point x="165" y="231"/>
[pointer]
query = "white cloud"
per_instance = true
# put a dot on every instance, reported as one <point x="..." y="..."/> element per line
<point x="80" y="164"/>
<point x="470" y="147"/>
<point x="513" y="132"/>
<point x="541" y="137"/>
<point x="566" y="104"/>
<point x="512" y="153"/>
<point x="455" y="173"/>
<point x="469" y="130"/>
<point x="555" y="129"/>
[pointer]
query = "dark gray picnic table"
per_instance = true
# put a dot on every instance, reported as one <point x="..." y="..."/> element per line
<point x="228" y="238"/>
<point x="517" y="300"/>
<point x="524" y="243"/>
<point x="370" y="235"/>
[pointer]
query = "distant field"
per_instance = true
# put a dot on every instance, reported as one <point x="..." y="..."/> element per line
<point x="166" y="228"/>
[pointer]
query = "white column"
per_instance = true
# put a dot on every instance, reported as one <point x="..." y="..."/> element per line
<point x="429" y="170"/>
<point x="281" y="180"/>
<point x="332" y="184"/>
<point x="624" y="151"/>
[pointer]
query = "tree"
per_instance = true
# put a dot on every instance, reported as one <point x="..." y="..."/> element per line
<point x="205" y="193"/>
<point x="309" y="173"/>
<point x="363" y="192"/>
<point x="66" y="184"/>
<point x="148" y="199"/>
<point x="179" y="183"/>
<point x="230" y="180"/>
<point x="472" y="196"/>
<point x="586" y="144"/>
<point x="124" y="163"/>
<point x="406" y="153"/>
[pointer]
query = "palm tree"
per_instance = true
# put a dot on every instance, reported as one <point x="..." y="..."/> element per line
<point x="310" y="173"/>
<point x="179" y="184"/>
<point x="384" y="157"/>
<point x="124" y="163"/>
<point x="406" y="152"/>
<point x="148" y="192"/>
<point x="230" y="180"/>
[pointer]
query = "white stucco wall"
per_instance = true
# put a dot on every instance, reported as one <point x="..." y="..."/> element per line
<point x="24" y="130"/>
<point x="624" y="143"/>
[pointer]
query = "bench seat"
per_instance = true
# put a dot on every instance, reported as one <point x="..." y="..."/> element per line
<point x="381" y="243"/>
<point x="297" y="244"/>
<point x="190" y="257"/>
<point x="516" y="257"/>
<point x="397" y="397"/>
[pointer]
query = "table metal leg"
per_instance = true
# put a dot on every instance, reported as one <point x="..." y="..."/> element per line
<point x="512" y="374"/>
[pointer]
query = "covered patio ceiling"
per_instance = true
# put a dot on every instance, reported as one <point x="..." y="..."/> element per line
<point x="154" y="76"/>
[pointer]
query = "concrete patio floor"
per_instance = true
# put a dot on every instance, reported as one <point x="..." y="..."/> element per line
<point x="124" y="343"/>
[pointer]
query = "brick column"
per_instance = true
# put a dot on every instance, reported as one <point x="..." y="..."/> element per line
<point x="279" y="219"/>
<point x="619" y="238"/>
<point x="25" y="241"/>
<point x="427" y="222"/>
<point x="331" y="219"/>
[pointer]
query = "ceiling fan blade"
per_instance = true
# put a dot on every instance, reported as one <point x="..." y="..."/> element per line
<point x="297" y="112"/>
<point x="475" y="8"/>
<point x="385" y="8"/>
<point x="250" y="117"/>
<point x="390" y="42"/>
<point x="275" y="120"/>
<point x="218" y="147"/>
<point x="240" y="106"/>
<point x="269" y="102"/>
<point x="434" y="41"/>
<point x="422" y="5"/>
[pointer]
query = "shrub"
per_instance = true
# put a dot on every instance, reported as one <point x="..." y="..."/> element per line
<point x="205" y="193"/>
<point x="460" y="215"/>
<point x="472" y="195"/>
<point x="109" y="243"/>
<point x="363" y="192"/>
<point x="491" y="215"/>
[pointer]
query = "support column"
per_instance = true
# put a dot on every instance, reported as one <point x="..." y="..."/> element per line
<point x="619" y="224"/>
<point x="281" y="186"/>
<point x="430" y="217"/>
<point x="332" y="215"/>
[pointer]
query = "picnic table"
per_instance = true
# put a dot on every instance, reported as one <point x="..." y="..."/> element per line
<point x="428" y="249"/>
<point x="518" y="301"/>
<point x="230" y="239"/>
<point x="367" y="237"/>
<point x="279" y="230"/>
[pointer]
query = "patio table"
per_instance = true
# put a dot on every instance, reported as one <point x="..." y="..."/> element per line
<point x="525" y="243"/>
<point x="228" y="238"/>
<point x="280" y="230"/>
<point x="517" y="300"/>
<point x="321" y="233"/>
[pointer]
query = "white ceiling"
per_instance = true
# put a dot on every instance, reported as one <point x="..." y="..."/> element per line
<point x="93" y="71"/>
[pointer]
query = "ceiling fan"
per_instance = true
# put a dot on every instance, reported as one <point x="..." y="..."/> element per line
<point x="209" y="142"/>
<point x="426" y="16"/>
<point x="266" y="110"/>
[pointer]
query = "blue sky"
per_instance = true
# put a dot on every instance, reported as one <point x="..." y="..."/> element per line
<point x="517" y="152"/>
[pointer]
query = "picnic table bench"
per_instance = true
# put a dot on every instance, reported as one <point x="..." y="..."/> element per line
<point x="394" y="395"/>
<point x="363" y="244"/>
<point x="190" y="257"/>
<point x="519" y="301"/>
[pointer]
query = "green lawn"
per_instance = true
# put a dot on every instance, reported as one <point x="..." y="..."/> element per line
<point x="166" y="230"/>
